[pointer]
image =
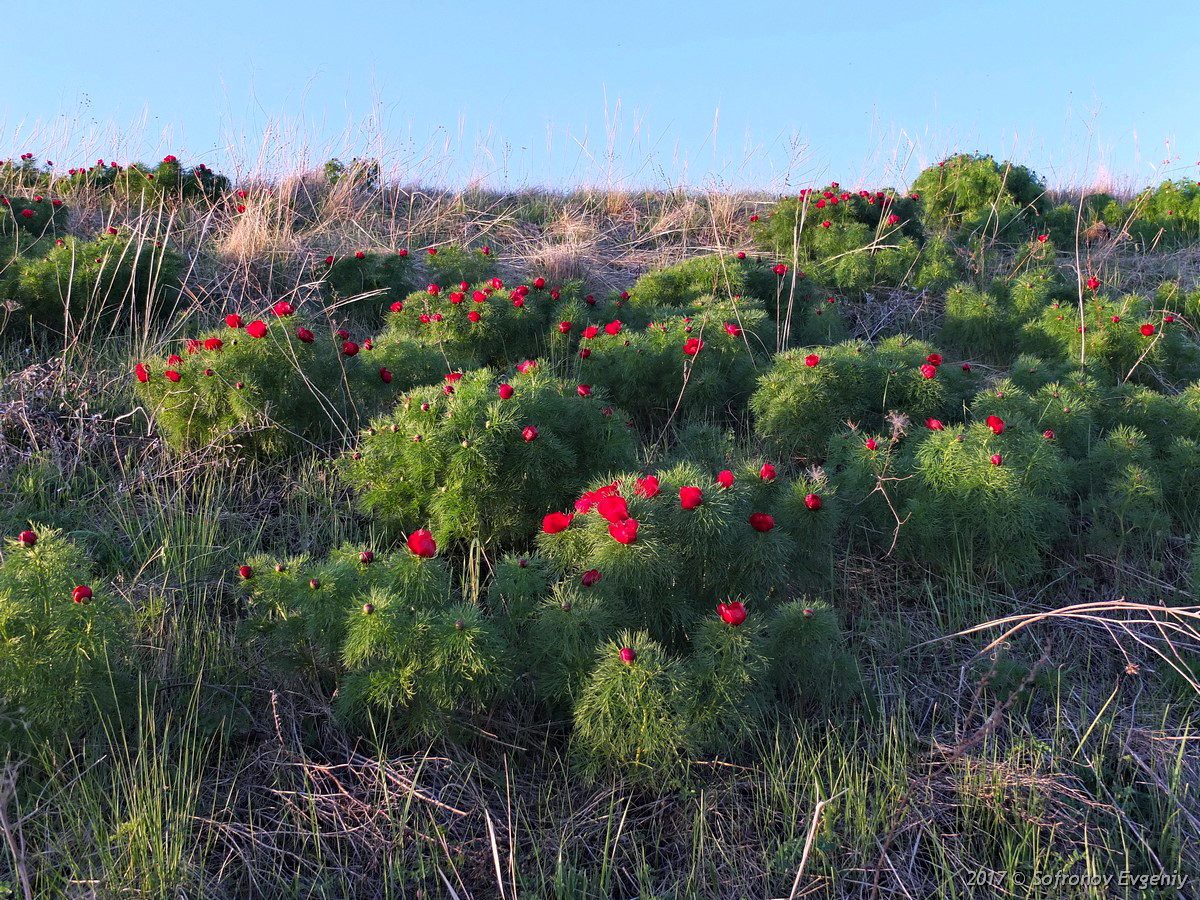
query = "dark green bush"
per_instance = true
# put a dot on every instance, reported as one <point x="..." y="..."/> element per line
<point x="974" y="195"/>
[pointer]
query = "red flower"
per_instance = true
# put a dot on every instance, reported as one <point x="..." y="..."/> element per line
<point x="349" y="348"/>
<point x="245" y="572"/>
<point x="935" y="425"/>
<point x="826" y="224"/>
<point x="692" y="346"/>
<point x="174" y="360"/>
<point x="505" y="391"/>
<point x="966" y="367"/>
<point x="233" y="320"/>
<point x="624" y="532"/>
<point x="457" y="297"/>
<point x="1042" y="238"/>
<point x="811" y="360"/>
<point x="590" y="577"/>
<point x="647" y="487"/>
<point x="612" y="507"/>
<point x="479" y="297"/>
<point x="257" y="328"/>
<point x="997" y="459"/>
<point x="624" y="295"/>
<point x="585" y="353"/>
<point x="530" y="433"/>
<point x="358" y="254"/>
<point x="241" y="207"/>
<point x="893" y="219"/>
<point x="628" y="655"/>
<point x="539" y="283"/>
<point x="767" y="472"/>
<point x="421" y="543"/>
<point x="556" y="522"/>
<point x="366" y="557"/>
<point x="172" y="376"/>
<point x="433" y="290"/>
<point x="584" y="390"/>
<point x="934" y="359"/>
<point x="397" y="306"/>
<point x="732" y="613"/>
<point x="385" y="375"/>
<point x="342" y="334"/>
<point x="725" y="478"/>
<point x="432" y="251"/>
<point x="754" y="218"/>
<point x="564" y="327"/>
<point x="732" y="330"/>
<point x="613" y="327"/>
<point x="518" y="301"/>
<point x="590" y="332"/>
<point x="928" y="371"/>
<point x="690" y="497"/>
<point x="81" y="594"/>
<point x="213" y="343"/>
<point x="527" y="365"/>
<point x="141" y="373"/>
<point x="27" y="213"/>
<point x="28" y="538"/>
<point x="813" y="501"/>
<point x="453" y="377"/>
<point x="779" y="269"/>
<point x="1048" y="434"/>
<point x="1093" y="283"/>
<point x="473" y="316"/>
<point x="1147" y="330"/>
<point x="1115" y="319"/>
<point x="996" y="424"/>
<point x="741" y="254"/>
<point x="762" y="522"/>
<point x="485" y="250"/>
<point x="304" y="335"/>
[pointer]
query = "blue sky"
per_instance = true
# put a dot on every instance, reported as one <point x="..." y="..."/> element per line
<point x="754" y="95"/>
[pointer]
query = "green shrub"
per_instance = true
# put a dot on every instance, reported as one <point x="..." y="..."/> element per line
<point x="1126" y="502"/>
<point x="452" y="265"/>
<point x="976" y="195"/>
<point x="384" y="632"/>
<point x="807" y="395"/>
<point x="65" y="639"/>
<point x="91" y="283"/>
<point x="980" y="324"/>
<point x="386" y="277"/>
<point x="291" y="387"/>
<point x="474" y="462"/>
<point x="1167" y="215"/>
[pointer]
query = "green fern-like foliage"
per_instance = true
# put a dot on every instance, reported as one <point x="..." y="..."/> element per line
<point x="974" y="195"/>
<point x="171" y="180"/>
<point x="473" y="462"/>
<point x="986" y="502"/>
<point x="384" y="634"/>
<point x="1168" y="214"/>
<point x="979" y="324"/>
<point x="368" y="282"/>
<point x="1127" y="502"/>
<point x="65" y="639"/>
<point x="806" y="396"/>
<point x="122" y="278"/>
<point x="292" y="387"/>
<point x="1124" y="338"/>
<point x="452" y="265"/>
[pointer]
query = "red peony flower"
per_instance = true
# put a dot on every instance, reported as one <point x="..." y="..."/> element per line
<point x="1042" y="238"/>
<point x="584" y="390"/>
<point x="732" y="613"/>
<point x="762" y="522"/>
<point x="525" y="366"/>
<point x="397" y="306"/>
<point x="433" y="290"/>
<point x="564" y="327"/>
<point x="28" y="538"/>
<point x="452" y="377"/>
<point x="611" y="507"/>
<point x="812" y="501"/>
<point x="741" y="254"/>
<point x="1093" y="283"/>
<point x="556" y="522"/>
<point x="141" y="373"/>
<point x="172" y="376"/>
<point x="624" y="532"/>
<point x="995" y="423"/>
<point x="779" y="269"/>
<point x="213" y="343"/>
<point x="928" y="371"/>
<point x="539" y="283"/>
<point x="385" y="375"/>
<point x="27" y="213"/>
<point x="590" y="577"/>
<point x="81" y="594"/>
<point x="692" y="346"/>
<point x="233" y="320"/>
<point x="647" y="487"/>
<point x="304" y="335"/>
<point x="349" y="348"/>
<point x="935" y="425"/>
<point x="421" y="543"/>
<point x="457" y="297"/>
<point x="529" y="433"/>
<point x="690" y="497"/>
<point x="257" y="329"/>
<point x="893" y="219"/>
<point x="473" y="316"/>
<point x="767" y="472"/>
<point x="613" y="327"/>
<point x="997" y="459"/>
<point x="934" y="359"/>
<point x="590" y="332"/>
<point x="811" y="360"/>
<point x="245" y="572"/>
<point x="1147" y="330"/>
<point x="505" y="391"/>
<point x="359" y="254"/>
<point x="725" y="478"/>
<point x="1048" y="434"/>
<point x="628" y="655"/>
<point x="485" y="250"/>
